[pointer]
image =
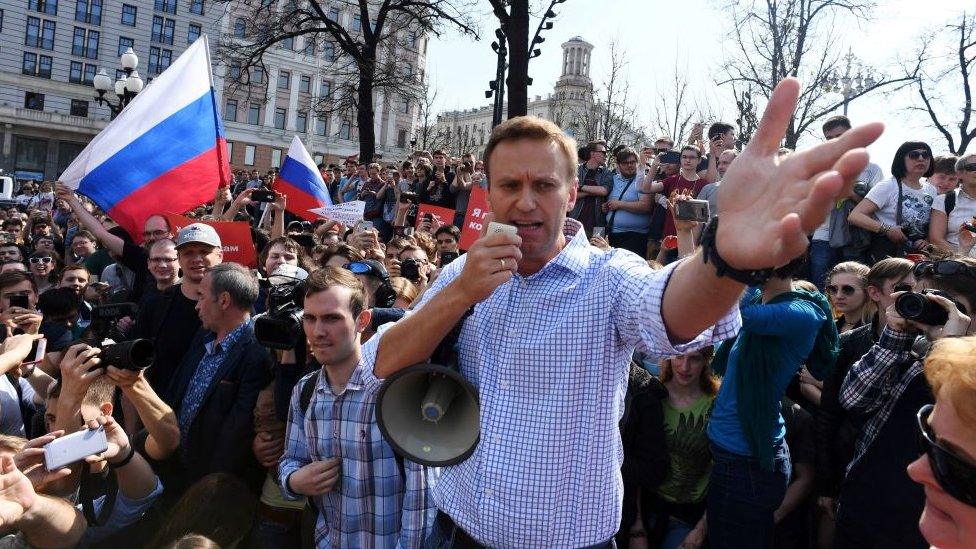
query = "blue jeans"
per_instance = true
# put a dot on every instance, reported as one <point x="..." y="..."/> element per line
<point x="742" y="498"/>
<point x="822" y="260"/>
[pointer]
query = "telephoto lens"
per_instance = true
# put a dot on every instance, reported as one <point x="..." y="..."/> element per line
<point x="918" y="307"/>
<point x="134" y="354"/>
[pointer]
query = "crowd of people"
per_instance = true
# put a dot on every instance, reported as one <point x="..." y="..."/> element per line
<point x="793" y="368"/>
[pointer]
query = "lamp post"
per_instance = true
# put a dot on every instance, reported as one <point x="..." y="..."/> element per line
<point x="496" y="87"/>
<point x="125" y="88"/>
<point x="857" y="79"/>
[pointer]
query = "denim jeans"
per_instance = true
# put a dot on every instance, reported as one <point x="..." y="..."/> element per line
<point x="822" y="260"/>
<point x="742" y="498"/>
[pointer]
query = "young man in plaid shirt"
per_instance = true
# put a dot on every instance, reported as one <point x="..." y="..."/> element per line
<point x="364" y="495"/>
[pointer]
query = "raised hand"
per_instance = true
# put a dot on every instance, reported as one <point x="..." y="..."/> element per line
<point x="767" y="207"/>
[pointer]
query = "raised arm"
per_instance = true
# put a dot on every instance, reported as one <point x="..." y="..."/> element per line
<point x="158" y="418"/>
<point x="113" y="243"/>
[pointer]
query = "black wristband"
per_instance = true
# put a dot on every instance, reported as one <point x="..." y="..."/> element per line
<point x="722" y="269"/>
<point x="124" y="462"/>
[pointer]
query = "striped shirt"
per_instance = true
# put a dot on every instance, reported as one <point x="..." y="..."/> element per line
<point x="549" y="354"/>
<point x="369" y="506"/>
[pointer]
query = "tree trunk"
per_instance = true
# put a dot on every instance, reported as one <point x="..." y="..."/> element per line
<point x="518" y="56"/>
<point x="365" y="114"/>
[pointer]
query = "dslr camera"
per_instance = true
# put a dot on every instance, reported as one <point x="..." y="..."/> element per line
<point x="132" y="354"/>
<point x="918" y="307"/>
<point x="410" y="269"/>
<point x="281" y="326"/>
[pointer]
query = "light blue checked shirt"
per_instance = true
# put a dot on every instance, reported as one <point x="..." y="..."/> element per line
<point x="371" y="506"/>
<point x="549" y="354"/>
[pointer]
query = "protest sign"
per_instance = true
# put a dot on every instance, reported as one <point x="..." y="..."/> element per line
<point x="235" y="238"/>
<point x="444" y="215"/>
<point x="347" y="213"/>
<point x="474" y="218"/>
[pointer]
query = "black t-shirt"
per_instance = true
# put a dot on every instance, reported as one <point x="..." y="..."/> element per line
<point x="171" y="320"/>
<point x="136" y="258"/>
<point x="58" y="336"/>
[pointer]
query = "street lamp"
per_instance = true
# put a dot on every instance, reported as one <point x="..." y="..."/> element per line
<point x="856" y="79"/>
<point x="125" y="88"/>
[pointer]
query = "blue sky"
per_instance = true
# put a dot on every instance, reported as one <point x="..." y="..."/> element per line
<point x="692" y="33"/>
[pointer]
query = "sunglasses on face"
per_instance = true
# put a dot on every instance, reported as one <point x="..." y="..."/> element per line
<point x="360" y="268"/>
<point x="44" y="260"/>
<point x="945" y="267"/>
<point x="918" y="155"/>
<point x="845" y="289"/>
<point x="953" y="473"/>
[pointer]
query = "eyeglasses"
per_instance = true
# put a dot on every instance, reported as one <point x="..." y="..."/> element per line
<point x="953" y="473"/>
<point x="44" y="260"/>
<point x="945" y="267"/>
<point x="969" y="168"/>
<point x="162" y="260"/>
<point x="845" y="289"/>
<point x="918" y="155"/>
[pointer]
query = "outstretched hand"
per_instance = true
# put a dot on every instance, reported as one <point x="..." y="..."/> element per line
<point x="766" y="206"/>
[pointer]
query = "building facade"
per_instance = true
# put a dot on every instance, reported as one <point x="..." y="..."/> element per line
<point x="52" y="50"/>
<point x="571" y="105"/>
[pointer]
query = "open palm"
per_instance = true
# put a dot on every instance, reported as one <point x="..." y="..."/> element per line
<point x="767" y="206"/>
<point x="16" y="493"/>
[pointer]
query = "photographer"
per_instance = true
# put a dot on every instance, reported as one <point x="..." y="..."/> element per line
<point x="878" y="504"/>
<point x="414" y="264"/>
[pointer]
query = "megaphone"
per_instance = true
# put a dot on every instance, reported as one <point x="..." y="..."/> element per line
<point x="429" y="414"/>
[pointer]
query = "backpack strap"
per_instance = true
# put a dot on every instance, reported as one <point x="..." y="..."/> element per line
<point x="950" y="201"/>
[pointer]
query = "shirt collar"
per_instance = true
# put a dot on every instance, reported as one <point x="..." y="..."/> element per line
<point x="214" y="348"/>
<point x="575" y="255"/>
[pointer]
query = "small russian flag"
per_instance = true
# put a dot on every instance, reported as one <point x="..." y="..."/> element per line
<point x="165" y="153"/>
<point x="299" y="180"/>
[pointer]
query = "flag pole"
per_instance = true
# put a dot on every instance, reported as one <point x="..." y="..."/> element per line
<point x="217" y="123"/>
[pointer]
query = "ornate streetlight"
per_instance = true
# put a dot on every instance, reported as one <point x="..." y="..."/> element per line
<point x="125" y="88"/>
<point x="856" y="79"/>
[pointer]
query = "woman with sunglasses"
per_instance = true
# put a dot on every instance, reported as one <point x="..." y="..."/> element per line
<point x="947" y="437"/>
<point x="43" y="265"/>
<point x="878" y="503"/>
<point x="896" y="211"/>
<point x="846" y="289"/>
<point x="955" y="210"/>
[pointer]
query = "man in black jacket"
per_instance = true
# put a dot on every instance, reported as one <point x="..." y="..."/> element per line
<point x="216" y="385"/>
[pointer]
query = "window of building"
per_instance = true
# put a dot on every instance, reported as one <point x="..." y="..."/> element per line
<point x="163" y="30"/>
<point x="322" y="127"/>
<point x="326" y="90"/>
<point x="49" y="7"/>
<point x="407" y="69"/>
<point x="234" y="72"/>
<point x="1" y="20"/>
<point x="334" y="14"/>
<point x="284" y="80"/>
<point x="29" y="66"/>
<point x="30" y="154"/>
<point x="40" y="33"/>
<point x="44" y="64"/>
<point x="230" y="110"/>
<point x="79" y="107"/>
<point x="405" y="107"/>
<point x="240" y="27"/>
<point x="305" y="84"/>
<point x="345" y="130"/>
<point x="194" y="31"/>
<point x="257" y="75"/>
<point x="301" y="122"/>
<point x="249" y="155"/>
<point x="275" y="158"/>
<point x="75" y="72"/>
<point x="309" y="46"/>
<point x="129" y="15"/>
<point x="254" y="114"/>
<point x="125" y="43"/>
<point x="287" y="43"/>
<point x="84" y="73"/>
<point x="280" y="116"/>
<point x="328" y="50"/>
<point x="168" y="6"/>
<point x="401" y="138"/>
<point x="196" y="6"/>
<point x="357" y="22"/>
<point x="230" y="151"/>
<point x="411" y="39"/>
<point x="159" y="60"/>
<point x="34" y="101"/>
<point x="84" y="43"/>
<point x="88" y="11"/>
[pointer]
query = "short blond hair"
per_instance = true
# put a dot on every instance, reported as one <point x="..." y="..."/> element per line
<point x="949" y="370"/>
<point x="535" y="128"/>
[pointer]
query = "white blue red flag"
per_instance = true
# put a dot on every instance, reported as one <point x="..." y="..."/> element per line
<point x="164" y="153"/>
<point x="299" y="180"/>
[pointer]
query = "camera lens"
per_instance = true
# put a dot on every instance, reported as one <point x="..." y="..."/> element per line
<point x="134" y="354"/>
<point x="918" y="307"/>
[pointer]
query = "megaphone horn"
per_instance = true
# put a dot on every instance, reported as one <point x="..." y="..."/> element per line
<point x="429" y="414"/>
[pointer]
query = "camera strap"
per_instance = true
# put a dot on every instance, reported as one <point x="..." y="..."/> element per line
<point x="613" y="214"/>
<point x="87" y="494"/>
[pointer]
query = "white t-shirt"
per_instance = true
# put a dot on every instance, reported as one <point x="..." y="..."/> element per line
<point x="871" y="175"/>
<point x="11" y="420"/>
<point x="963" y="212"/>
<point x="916" y="206"/>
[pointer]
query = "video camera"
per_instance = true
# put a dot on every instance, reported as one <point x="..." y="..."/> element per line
<point x="281" y="326"/>
<point x="132" y="354"/>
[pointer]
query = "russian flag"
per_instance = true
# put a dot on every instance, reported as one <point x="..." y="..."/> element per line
<point x="165" y="153"/>
<point x="299" y="180"/>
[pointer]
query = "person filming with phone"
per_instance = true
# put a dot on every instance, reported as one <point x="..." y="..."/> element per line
<point x="555" y="322"/>
<point x="879" y="505"/>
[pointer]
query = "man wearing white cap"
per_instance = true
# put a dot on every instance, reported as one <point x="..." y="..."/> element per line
<point x="171" y="319"/>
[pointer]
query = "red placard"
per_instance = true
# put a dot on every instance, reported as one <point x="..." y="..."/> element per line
<point x="440" y="213"/>
<point x="474" y="218"/>
<point x="235" y="238"/>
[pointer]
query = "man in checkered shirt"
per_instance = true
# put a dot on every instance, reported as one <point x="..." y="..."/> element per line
<point x="556" y="321"/>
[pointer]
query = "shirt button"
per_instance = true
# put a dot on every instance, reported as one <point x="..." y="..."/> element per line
<point x="496" y="439"/>
<point x="512" y="332"/>
<point x="489" y="493"/>
<point x="503" y="384"/>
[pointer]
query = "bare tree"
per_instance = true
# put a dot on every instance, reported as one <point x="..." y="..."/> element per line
<point x="677" y="109"/>
<point x="951" y="111"/>
<point x="361" y="57"/>
<point x="775" y="39"/>
<point x="428" y="136"/>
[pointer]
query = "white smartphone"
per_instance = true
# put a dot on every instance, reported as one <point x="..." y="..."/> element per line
<point x="367" y="226"/>
<point x="74" y="447"/>
<point x="37" y="352"/>
<point x="495" y="227"/>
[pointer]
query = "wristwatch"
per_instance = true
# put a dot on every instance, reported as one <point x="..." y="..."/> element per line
<point x="710" y="255"/>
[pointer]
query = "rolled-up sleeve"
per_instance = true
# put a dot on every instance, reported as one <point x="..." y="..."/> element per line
<point x="638" y="313"/>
